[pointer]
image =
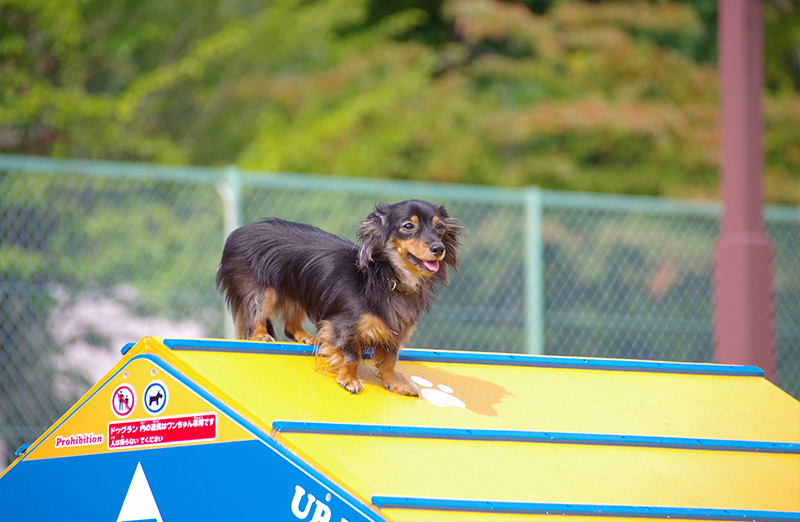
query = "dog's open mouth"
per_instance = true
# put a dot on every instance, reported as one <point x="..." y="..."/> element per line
<point x="428" y="266"/>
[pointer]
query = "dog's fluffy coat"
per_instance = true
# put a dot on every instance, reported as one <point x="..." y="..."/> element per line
<point x="367" y="296"/>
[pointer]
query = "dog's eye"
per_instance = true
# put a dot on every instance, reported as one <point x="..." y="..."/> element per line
<point x="439" y="226"/>
<point x="408" y="226"/>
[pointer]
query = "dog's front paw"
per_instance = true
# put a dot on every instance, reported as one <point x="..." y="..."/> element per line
<point x="299" y="335"/>
<point x="266" y="338"/>
<point x="352" y="385"/>
<point x="306" y="339"/>
<point x="396" y="383"/>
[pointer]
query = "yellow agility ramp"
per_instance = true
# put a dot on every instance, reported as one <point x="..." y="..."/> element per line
<point x="213" y="430"/>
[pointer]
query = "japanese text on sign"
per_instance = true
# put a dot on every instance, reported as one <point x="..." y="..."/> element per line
<point x="166" y="430"/>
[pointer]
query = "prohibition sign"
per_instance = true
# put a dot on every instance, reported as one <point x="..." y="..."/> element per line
<point x="123" y="400"/>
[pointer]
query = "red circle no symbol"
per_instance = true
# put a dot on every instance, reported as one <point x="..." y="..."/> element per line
<point x="123" y="400"/>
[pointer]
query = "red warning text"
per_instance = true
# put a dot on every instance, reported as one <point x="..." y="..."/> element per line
<point x="164" y="430"/>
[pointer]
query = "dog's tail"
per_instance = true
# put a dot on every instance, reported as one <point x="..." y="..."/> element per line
<point x="224" y="287"/>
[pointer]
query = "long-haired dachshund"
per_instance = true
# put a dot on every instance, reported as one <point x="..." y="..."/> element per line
<point x="359" y="296"/>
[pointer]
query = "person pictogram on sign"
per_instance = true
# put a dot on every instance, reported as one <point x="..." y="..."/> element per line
<point x="123" y="400"/>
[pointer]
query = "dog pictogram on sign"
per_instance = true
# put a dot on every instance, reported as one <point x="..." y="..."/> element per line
<point x="123" y="400"/>
<point x="155" y="397"/>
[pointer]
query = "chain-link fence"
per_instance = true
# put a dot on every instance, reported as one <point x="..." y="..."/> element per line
<point x="97" y="254"/>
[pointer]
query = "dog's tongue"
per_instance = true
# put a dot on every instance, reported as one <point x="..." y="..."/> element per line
<point x="433" y="266"/>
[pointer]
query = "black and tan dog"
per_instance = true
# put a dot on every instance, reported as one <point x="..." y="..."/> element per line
<point x="359" y="296"/>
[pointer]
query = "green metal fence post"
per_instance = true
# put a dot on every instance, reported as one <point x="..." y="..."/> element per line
<point x="534" y="272"/>
<point x="229" y="189"/>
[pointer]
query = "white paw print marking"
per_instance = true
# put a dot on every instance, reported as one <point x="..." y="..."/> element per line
<point x="441" y="396"/>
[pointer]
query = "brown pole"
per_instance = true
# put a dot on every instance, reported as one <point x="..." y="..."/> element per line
<point x="743" y="254"/>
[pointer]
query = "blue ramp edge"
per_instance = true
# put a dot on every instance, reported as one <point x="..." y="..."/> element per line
<point x="543" y="437"/>
<point x="507" y="359"/>
<point x="539" y="508"/>
<point x="222" y="345"/>
<point x="511" y="359"/>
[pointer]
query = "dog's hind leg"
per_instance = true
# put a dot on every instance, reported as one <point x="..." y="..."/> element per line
<point x="240" y="323"/>
<point x="262" y="315"/>
<point x="293" y="315"/>
<point x="343" y="362"/>
<point x="347" y="375"/>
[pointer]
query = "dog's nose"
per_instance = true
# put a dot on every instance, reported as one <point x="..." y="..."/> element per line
<point x="437" y="249"/>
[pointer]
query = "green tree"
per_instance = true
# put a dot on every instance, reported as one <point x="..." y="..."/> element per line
<point x="604" y="95"/>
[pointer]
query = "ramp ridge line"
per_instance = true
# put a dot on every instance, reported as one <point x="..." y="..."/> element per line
<point x="579" y="363"/>
<point x="543" y="437"/>
<point x="223" y="345"/>
<point x="508" y="359"/>
<point x="541" y="508"/>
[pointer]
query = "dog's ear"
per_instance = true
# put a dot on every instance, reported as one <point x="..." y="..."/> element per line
<point x="452" y="232"/>
<point x="372" y="235"/>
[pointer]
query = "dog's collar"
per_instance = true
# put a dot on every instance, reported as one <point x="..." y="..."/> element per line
<point x="394" y="286"/>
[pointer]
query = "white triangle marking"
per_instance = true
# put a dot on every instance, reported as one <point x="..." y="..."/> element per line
<point x="139" y="503"/>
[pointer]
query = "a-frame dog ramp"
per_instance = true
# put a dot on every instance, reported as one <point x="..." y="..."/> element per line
<point x="195" y="430"/>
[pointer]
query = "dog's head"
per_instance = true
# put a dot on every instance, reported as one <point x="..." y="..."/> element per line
<point x="419" y="239"/>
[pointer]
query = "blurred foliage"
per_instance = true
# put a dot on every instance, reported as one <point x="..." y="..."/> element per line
<point x="584" y="95"/>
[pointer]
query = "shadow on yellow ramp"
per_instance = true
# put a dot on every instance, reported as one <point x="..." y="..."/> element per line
<point x="231" y="430"/>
